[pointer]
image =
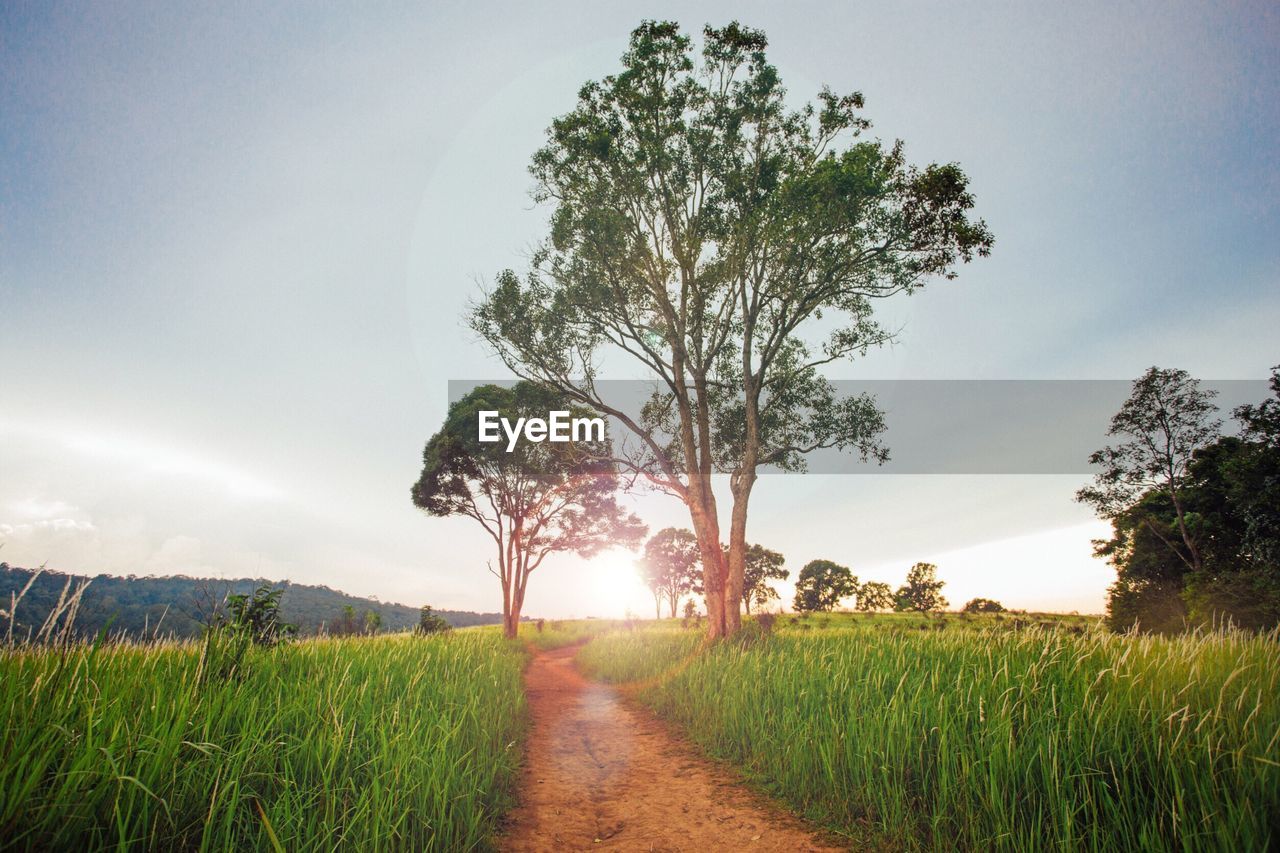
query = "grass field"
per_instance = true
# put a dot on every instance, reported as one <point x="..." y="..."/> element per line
<point x="1026" y="733"/>
<point x="397" y="742"/>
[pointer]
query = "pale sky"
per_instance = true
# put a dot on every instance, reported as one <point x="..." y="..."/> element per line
<point x="236" y="245"/>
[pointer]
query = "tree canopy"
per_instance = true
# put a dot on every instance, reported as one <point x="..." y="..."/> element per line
<point x="1228" y="504"/>
<point x="922" y="592"/>
<point x="760" y="567"/>
<point x="822" y="584"/>
<point x="533" y="500"/>
<point x="733" y="248"/>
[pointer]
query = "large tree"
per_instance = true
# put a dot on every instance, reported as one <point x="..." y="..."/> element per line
<point x="670" y="566"/>
<point x="733" y="247"/>
<point x="1165" y="420"/>
<point x="533" y="500"/>
<point x="821" y="585"/>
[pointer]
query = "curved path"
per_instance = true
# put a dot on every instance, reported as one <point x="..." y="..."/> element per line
<point x="601" y="775"/>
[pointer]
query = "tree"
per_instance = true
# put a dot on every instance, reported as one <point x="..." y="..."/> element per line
<point x="760" y="567"/>
<point x="670" y="566"/>
<point x="535" y="499"/>
<point x="922" y="592"/>
<point x="982" y="605"/>
<point x="822" y="584"/>
<point x="1165" y="420"/>
<point x="430" y="622"/>
<point x="372" y="621"/>
<point x="1230" y="499"/>
<point x="257" y="616"/>
<point x="733" y="247"/>
<point x="873" y="596"/>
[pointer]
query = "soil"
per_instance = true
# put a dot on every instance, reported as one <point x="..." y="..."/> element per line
<point x="601" y="773"/>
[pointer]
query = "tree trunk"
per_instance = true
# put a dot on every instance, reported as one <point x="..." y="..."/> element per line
<point x="1182" y="528"/>
<point x="674" y="603"/>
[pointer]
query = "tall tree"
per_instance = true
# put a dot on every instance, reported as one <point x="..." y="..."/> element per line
<point x="535" y="499"/>
<point x="733" y="247"/>
<point x="1165" y="420"/>
<point x="670" y="566"/>
<point x="760" y="567"/>
<point x="822" y="584"/>
<point x="922" y="592"/>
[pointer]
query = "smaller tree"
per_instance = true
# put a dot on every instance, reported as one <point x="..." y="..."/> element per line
<point x="670" y="566"/>
<point x="257" y="616"/>
<point x="762" y="566"/>
<point x="922" y="592"/>
<point x="372" y="621"/>
<point x="822" y="584"/>
<point x="430" y="622"/>
<point x="982" y="605"/>
<point x="873" y="596"/>
<point x="1167" y="418"/>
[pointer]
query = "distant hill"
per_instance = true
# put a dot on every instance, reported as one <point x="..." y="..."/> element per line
<point x="179" y="604"/>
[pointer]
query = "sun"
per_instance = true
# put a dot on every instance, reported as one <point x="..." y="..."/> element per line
<point x="615" y="586"/>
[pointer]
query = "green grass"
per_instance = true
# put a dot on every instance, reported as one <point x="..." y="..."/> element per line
<point x="558" y="633"/>
<point x="982" y="734"/>
<point x="397" y="742"/>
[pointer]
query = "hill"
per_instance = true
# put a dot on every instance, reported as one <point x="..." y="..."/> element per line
<point x="180" y="605"/>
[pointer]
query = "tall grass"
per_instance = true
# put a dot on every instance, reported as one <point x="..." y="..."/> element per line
<point x="364" y="743"/>
<point x="1002" y="740"/>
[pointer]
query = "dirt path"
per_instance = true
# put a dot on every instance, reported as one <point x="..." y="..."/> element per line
<point x="601" y="775"/>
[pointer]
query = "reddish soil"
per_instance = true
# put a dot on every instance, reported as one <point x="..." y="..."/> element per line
<point x="600" y="774"/>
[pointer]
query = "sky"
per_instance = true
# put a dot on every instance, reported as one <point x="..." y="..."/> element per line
<point x="236" y="245"/>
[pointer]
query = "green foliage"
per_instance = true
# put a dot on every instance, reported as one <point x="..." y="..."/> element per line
<point x="762" y="566"/>
<point x="431" y="623"/>
<point x="922" y="592"/>
<point x="822" y="584"/>
<point x="977" y="737"/>
<point x="731" y="245"/>
<point x="363" y="743"/>
<point x="1226" y="498"/>
<point x="982" y="605"/>
<point x="534" y="499"/>
<point x="873" y="596"/>
<point x="257" y="616"/>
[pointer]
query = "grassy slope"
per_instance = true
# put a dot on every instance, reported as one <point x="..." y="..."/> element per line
<point x="977" y="735"/>
<point x="364" y="743"/>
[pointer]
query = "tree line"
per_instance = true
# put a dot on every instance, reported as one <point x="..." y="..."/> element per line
<point x="182" y="607"/>
<point x="1194" y="512"/>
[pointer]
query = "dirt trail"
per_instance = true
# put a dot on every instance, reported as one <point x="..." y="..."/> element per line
<point x="601" y="775"/>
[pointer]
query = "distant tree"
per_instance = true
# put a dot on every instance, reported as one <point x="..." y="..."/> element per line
<point x="431" y="623"/>
<point x="922" y="591"/>
<point x="982" y="605"/>
<point x="822" y="584"/>
<point x="1167" y="418"/>
<point x="257" y="616"/>
<point x="670" y="566"/>
<point x="873" y="596"/>
<point x="537" y="499"/>
<point x="762" y="566"/>
<point x="372" y="622"/>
